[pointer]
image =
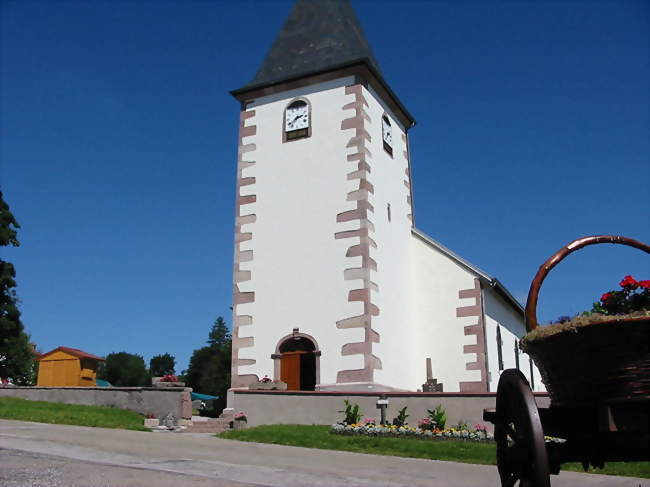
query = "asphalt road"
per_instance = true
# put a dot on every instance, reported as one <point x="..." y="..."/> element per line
<point x="34" y="454"/>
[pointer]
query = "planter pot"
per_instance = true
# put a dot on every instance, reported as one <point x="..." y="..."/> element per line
<point x="151" y="422"/>
<point x="238" y="424"/>
<point x="161" y="384"/>
<point x="269" y="386"/>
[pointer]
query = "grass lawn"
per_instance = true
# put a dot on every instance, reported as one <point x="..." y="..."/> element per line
<point x="57" y="413"/>
<point x="451" y="450"/>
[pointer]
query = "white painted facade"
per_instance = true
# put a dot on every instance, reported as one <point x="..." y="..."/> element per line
<point x="293" y="271"/>
<point x="436" y="280"/>
<point x="499" y="314"/>
<point x="297" y="267"/>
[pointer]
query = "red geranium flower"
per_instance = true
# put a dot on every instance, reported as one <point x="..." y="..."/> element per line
<point x="629" y="281"/>
<point x="644" y="284"/>
<point x="605" y="297"/>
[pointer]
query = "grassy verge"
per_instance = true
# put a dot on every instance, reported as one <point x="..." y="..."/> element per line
<point x="57" y="413"/>
<point x="450" y="450"/>
<point x="319" y="437"/>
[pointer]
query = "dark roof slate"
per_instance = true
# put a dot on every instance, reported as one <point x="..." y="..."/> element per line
<point x="317" y="36"/>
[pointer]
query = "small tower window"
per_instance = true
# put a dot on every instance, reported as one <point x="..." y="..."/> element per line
<point x="297" y="120"/>
<point x="387" y="135"/>
<point x="388" y="211"/>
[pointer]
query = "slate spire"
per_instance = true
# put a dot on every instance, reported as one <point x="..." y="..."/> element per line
<point x="317" y="36"/>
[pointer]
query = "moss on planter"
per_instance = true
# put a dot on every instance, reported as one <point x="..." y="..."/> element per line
<point x="543" y="332"/>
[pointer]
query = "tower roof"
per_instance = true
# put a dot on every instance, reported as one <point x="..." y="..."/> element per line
<point x="320" y="41"/>
<point x="318" y="35"/>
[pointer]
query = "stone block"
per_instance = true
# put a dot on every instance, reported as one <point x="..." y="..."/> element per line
<point x="268" y="386"/>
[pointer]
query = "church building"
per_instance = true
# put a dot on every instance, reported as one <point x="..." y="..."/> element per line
<point x="334" y="287"/>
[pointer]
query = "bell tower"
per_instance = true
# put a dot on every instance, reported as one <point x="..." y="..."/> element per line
<point x="323" y="213"/>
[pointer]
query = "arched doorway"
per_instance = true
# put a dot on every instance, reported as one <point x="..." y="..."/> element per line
<point x="297" y="359"/>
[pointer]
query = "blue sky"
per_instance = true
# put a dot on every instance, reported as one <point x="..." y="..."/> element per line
<point x="118" y="150"/>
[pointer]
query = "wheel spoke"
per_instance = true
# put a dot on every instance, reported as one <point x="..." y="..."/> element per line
<point x="521" y="452"/>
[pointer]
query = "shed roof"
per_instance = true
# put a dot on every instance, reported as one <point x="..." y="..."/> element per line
<point x="72" y="351"/>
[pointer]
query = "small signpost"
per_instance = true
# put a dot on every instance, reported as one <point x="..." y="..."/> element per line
<point x="382" y="403"/>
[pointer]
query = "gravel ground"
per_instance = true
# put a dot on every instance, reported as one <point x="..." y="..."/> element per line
<point x="23" y="469"/>
<point x="37" y="454"/>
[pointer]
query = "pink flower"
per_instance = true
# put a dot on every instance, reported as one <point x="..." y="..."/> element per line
<point x="644" y="284"/>
<point x="605" y="297"/>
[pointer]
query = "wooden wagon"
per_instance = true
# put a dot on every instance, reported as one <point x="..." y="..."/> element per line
<point x="598" y="379"/>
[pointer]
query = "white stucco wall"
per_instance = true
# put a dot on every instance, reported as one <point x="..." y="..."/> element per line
<point x="511" y="323"/>
<point x="439" y="334"/>
<point x="298" y="266"/>
<point x="393" y="247"/>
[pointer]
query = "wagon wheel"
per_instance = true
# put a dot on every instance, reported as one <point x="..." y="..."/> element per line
<point x="521" y="452"/>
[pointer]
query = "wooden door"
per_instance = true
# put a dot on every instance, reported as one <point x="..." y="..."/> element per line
<point x="290" y="370"/>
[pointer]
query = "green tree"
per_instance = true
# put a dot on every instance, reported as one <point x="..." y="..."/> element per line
<point x="209" y="369"/>
<point x="124" y="369"/>
<point x="162" y="365"/>
<point x="16" y="355"/>
<point x="219" y="334"/>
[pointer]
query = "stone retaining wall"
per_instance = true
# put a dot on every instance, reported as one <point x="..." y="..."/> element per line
<point x="293" y="407"/>
<point x="143" y="400"/>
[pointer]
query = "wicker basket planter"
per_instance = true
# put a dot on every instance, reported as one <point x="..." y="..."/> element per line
<point x="607" y="361"/>
<point x="600" y="362"/>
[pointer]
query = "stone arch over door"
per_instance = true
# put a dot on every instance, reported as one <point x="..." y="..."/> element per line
<point x="304" y="346"/>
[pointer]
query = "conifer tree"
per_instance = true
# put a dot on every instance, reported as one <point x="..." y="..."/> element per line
<point x="16" y="355"/>
<point x="219" y="335"/>
<point x="209" y="369"/>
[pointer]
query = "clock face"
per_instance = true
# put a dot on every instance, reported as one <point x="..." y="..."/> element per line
<point x="297" y="116"/>
<point x="387" y="131"/>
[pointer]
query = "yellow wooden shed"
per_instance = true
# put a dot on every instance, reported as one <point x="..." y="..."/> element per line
<point x="66" y="366"/>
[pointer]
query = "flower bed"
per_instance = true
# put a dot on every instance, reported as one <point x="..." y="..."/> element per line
<point x="370" y="429"/>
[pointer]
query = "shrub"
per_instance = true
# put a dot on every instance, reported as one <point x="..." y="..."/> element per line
<point x="438" y="417"/>
<point x="400" y="420"/>
<point x="352" y="413"/>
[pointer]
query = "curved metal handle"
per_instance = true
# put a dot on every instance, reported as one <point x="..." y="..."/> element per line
<point x="545" y="268"/>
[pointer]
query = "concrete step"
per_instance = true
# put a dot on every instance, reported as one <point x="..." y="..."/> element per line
<point x="213" y="426"/>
